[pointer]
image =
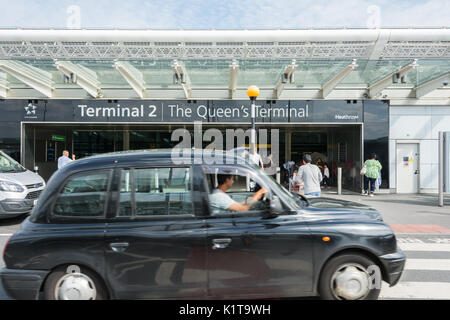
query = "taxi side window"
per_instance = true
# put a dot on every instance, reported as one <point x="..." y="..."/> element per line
<point x="83" y="195"/>
<point x="155" y="191"/>
<point x="244" y="186"/>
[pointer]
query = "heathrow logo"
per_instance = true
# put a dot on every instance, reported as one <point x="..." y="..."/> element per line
<point x="30" y="111"/>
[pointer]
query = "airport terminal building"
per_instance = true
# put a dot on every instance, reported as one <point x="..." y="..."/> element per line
<point x="338" y="94"/>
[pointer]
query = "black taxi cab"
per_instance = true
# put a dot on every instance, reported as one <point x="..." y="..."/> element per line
<point x="139" y="225"/>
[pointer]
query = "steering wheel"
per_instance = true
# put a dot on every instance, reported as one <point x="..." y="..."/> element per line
<point x="264" y="198"/>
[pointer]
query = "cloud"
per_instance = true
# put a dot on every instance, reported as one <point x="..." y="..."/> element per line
<point x="226" y="14"/>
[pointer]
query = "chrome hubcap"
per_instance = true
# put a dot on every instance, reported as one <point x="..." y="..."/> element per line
<point x="75" y="286"/>
<point x="350" y="282"/>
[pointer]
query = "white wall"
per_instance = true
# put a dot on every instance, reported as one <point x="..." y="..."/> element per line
<point x="421" y="124"/>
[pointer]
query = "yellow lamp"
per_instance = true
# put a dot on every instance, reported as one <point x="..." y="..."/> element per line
<point x="253" y="92"/>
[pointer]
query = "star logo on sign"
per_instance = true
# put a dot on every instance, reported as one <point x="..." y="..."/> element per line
<point x="30" y="109"/>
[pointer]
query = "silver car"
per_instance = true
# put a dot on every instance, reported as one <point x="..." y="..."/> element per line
<point x="19" y="188"/>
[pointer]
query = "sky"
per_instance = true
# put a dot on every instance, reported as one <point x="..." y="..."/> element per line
<point x="224" y="14"/>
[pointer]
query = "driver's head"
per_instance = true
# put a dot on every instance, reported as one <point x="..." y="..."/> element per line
<point x="66" y="153"/>
<point x="225" y="180"/>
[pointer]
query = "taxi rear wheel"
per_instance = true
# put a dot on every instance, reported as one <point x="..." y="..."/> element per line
<point x="349" y="277"/>
<point x="74" y="283"/>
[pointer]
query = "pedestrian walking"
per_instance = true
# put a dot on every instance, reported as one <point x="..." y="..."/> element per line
<point x="64" y="159"/>
<point x="326" y="176"/>
<point x="296" y="186"/>
<point x="311" y="176"/>
<point x="320" y="164"/>
<point x="289" y="168"/>
<point x="371" y="170"/>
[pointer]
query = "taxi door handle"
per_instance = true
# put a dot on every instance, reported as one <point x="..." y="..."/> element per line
<point x="221" y="243"/>
<point x="119" y="246"/>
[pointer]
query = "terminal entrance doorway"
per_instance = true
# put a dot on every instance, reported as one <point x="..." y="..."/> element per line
<point x="333" y="145"/>
<point x="337" y="145"/>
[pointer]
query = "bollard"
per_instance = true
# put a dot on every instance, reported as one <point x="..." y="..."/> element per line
<point x="441" y="170"/>
<point x="339" y="181"/>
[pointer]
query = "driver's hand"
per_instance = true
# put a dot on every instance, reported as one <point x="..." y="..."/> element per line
<point x="261" y="192"/>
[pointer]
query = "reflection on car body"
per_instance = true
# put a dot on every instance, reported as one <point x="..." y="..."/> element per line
<point x="137" y="226"/>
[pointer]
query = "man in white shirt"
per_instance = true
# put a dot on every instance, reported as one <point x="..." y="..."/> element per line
<point x="64" y="159"/>
<point x="220" y="201"/>
<point x="311" y="176"/>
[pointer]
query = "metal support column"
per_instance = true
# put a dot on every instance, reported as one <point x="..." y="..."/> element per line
<point x="339" y="180"/>
<point x="441" y="170"/>
<point x="126" y="140"/>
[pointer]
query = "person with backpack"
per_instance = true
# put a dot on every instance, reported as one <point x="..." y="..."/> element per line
<point x="371" y="171"/>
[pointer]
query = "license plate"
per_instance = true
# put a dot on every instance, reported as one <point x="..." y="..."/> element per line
<point x="34" y="202"/>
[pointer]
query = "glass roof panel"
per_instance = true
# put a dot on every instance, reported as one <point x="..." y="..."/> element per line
<point x="106" y="73"/>
<point x="431" y="69"/>
<point x="208" y="73"/>
<point x="369" y="72"/>
<point x="45" y="65"/>
<point x="262" y="73"/>
<point x="156" y="73"/>
<point x="317" y="72"/>
<point x="215" y="73"/>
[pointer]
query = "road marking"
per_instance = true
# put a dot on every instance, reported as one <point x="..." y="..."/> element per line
<point x="416" y="290"/>
<point x="428" y="264"/>
<point x="420" y="228"/>
<point x="5" y="234"/>
<point x="410" y="240"/>
<point x="439" y="240"/>
<point x="425" y="246"/>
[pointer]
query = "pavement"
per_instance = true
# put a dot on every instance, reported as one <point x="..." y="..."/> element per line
<point x="406" y="213"/>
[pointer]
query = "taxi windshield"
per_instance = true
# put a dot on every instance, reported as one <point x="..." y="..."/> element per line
<point x="279" y="189"/>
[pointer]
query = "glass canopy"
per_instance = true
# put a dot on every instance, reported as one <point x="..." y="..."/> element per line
<point x="215" y="73"/>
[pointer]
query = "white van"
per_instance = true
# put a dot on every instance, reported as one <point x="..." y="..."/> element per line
<point x="19" y="188"/>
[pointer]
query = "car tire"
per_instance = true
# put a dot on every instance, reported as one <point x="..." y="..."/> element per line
<point x="344" y="276"/>
<point x="74" y="283"/>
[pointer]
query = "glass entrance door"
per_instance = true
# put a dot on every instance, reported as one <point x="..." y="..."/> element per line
<point x="91" y="142"/>
<point x="337" y="146"/>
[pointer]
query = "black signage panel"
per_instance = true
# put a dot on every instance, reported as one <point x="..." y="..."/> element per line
<point x="295" y="111"/>
<point x="240" y="111"/>
<point x="230" y="111"/>
<point x="122" y="111"/>
<point x="183" y="111"/>
<point x="167" y="111"/>
<point x="59" y="110"/>
<point x="22" y="110"/>
<point x="140" y="111"/>
<point x="337" y="111"/>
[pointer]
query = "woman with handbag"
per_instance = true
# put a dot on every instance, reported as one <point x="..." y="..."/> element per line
<point x="371" y="171"/>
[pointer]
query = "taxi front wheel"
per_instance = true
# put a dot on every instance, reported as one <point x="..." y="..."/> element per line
<point x="74" y="283"/>
<point x="349" y="277"/>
